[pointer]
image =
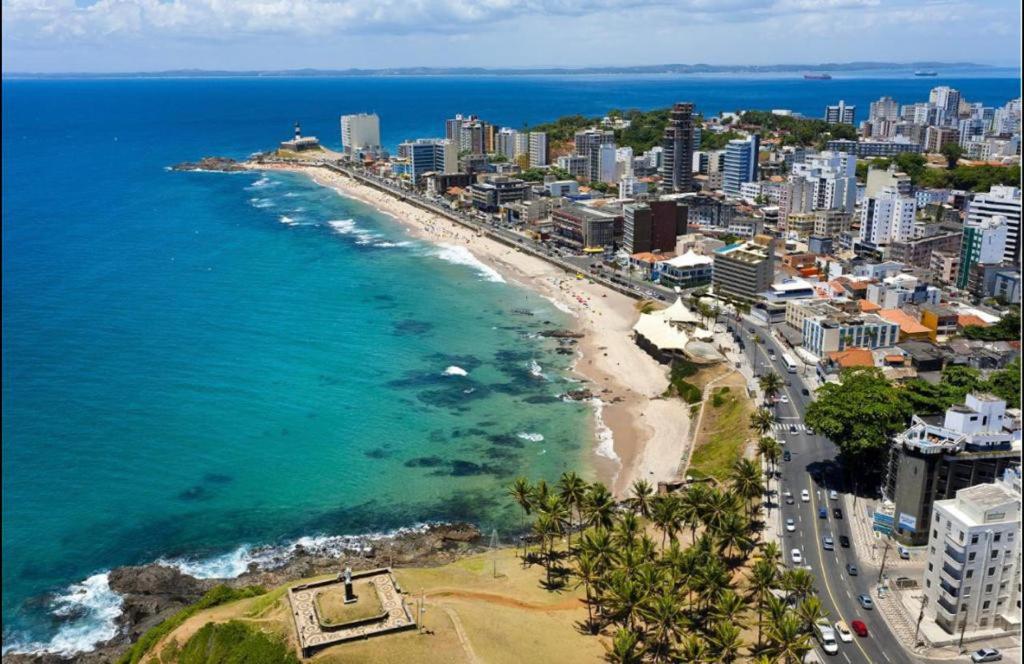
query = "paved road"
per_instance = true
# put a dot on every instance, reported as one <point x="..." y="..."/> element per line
<point x="815" y="455"/>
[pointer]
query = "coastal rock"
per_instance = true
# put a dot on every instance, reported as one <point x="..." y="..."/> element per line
<point x="580" y="395"/>
<point x="151" y="593"/>
<point x="561" y="334"/>
<point x="222" y="164"/>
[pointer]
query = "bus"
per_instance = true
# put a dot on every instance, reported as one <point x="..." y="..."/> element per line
<point x="789" y="362"/>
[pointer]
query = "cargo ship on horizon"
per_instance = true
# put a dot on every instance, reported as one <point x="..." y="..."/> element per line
<point x="818" y="77"/>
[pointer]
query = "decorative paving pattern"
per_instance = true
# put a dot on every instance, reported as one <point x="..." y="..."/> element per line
<point x="314" y="635"/>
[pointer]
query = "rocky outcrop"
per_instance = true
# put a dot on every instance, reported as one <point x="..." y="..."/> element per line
<point x="151" y="594"/>
<point x="561" y="334"/>
<point x="221" y="164"/>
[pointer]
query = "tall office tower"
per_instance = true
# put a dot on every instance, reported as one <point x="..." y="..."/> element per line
<point x="1000" y="201"/>
<point x="947" y="101"/>
<point x="984" y="242"/>
<point x="588" y="144"/>
<point x="677" y="149"/>
<point x="740" y="163"/>
<point x="840" y="113"/>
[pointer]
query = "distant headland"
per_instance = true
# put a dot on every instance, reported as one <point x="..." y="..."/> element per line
<point x="698" y="68"/>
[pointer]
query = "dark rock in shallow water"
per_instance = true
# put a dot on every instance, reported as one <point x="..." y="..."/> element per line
<point x="561" y="334"/>
<point x="223" y="164"/>
<point x="580" y="395"/>
<point x="412" y="327"/>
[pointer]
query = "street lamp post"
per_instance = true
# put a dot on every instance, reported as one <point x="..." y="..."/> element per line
<point x="885" y="554"/>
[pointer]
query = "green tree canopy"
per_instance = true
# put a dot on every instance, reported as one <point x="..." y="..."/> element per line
<point x="860" y="413"/>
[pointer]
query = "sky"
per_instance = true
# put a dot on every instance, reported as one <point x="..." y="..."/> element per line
<point x="154" y="35"/>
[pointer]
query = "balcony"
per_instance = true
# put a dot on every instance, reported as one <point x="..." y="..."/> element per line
<point x="958" y="556"/>
<point x="948" y="607"/>
<point x="952" y="572"/>
<point x="951" y="589"/>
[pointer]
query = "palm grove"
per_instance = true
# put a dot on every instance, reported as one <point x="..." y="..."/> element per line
<point x="673" y="577"/>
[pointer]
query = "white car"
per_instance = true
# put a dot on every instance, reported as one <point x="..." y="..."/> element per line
<point x="784" y="399"/>
<point x="843" y="632"/>
<point x="796" y="556"/>
<point x="790" y="525"/>
<point x="832" y="495"/>
<point x="805" y="496"/>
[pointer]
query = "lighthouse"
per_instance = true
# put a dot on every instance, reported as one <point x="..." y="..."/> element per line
<point x="298" y="131"/>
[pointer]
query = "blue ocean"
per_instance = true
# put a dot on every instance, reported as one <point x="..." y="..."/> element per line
<point x="197" y="364"/>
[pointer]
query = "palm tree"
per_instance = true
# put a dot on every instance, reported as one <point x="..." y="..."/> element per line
<point x="769" y="449"/>
<point x="572" y="491"/>
<point x="626" y="530"/>
<point x="788" y="640"/>
<point x="693" y="650"/>
<point x="762" y="577"/>
<point x="641" y="499"/>
<point x="810" y="611"/>
<point x="599" y="506"/>
<point x="588" y="571"/>
<point x="730" y="607"/>
<point x="771" y="384"/>
<point x="664" y="620"/>
<point x="762" y="420"/>
<point x="770" y="551"/>
<point x="733" y="532"/>
<point x="798" y="583"/>
<point x="598" y="544"/>
<point x="521" y="493"/>
<point x="625" y="597"/>
<point x="625" y="648"/>
<point x="746" y="481"/>
<point x="545" y="528"/>
<point x="665" y="515"/>
<point x="691" y="506"/>
<point x="726" y="641"/>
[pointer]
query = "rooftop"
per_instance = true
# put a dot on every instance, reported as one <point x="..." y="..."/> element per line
<point x="906" y="322"/>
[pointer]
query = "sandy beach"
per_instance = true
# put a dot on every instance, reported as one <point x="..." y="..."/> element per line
<point x="649" y="434"/>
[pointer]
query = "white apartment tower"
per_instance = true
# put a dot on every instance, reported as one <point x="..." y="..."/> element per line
<point x="887" y="217"/>
<point x="973" y="578"/>
<point x="360" y="133"/>
<point x="1000" y="201"/>
<point x="538" y="149"/>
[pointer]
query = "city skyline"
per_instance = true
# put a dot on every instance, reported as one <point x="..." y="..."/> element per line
<point x="146" y="35"/>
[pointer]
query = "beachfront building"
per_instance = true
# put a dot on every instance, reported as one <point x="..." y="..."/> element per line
<point x="1000" y="201"/>
<point x="984" y="243"/>
<point x="491" y="194"/>
<point x="689" y="270"/>
<point x="584" y="229"/>
<point x="974" y="443"/>
<point x="677" y="143"/>
<point x="430" y="155"/>
<point x="653" y="226"/>
<point x="744" y="269"/>
<point x="675" y="333"/>
<point x="973" y="579"/>
<point x="740" y="164"/>
<point x="360" y="134"/>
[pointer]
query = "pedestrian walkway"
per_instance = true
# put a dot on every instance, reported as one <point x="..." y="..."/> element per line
<point x="785" y="426"/>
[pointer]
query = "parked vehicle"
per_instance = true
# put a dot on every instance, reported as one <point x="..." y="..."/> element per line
<point x="986" y="655"/>
<point x="904" y="552"/>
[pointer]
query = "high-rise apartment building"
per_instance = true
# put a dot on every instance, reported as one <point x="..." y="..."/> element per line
<point x="885" y="109"/>
<point x="588" y="144"/>
<point x="360" y="134"/>
<point x="1002" y="201"/>
<point x="840" y="113"/>
<point x="539" y="154"/>
<point x="677" y="145"/>
<point x="984" y="243"/>
<point x="430" y="155"/>
<point x="887" y="217"/>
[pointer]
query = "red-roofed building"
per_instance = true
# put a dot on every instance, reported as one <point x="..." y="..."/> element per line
<point x="910" y="328"/>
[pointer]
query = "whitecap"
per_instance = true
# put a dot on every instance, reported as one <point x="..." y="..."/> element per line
<point x="463" y="256"/>
<point x="536" y="371"/>
<point x="532" y="437"/>
<point x="285" y="219"/>
<point x="91" y="609"/>
<point x="349" y="227"/>
<point x="561" y="306"/>
<point x="455" y="371"/>
<point x="605" y="438"/>
<point x="261" y="202"/>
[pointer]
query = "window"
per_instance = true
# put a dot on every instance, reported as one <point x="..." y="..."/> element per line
<point x="985" y="604"/>
<point x="988" y="588"/>
<point x="970" y="556"/>
<point x="995" y="554"/>
<point x="997" y="537"/>
<point x="1009" y="536"/>
<point x="935" y="533"/>
<point x="991" y="571"/>
<point x="931" y="567"/>
<point x="960" y="535"/>
<point x="970" y="573"/>
<point x="928" y="583"/>
<point x="974" y="539"/>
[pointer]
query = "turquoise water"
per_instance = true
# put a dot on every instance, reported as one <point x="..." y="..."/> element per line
<point x="196" y="363"/>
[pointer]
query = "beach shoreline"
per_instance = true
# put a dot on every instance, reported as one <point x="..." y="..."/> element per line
<point x="648" y="433"/>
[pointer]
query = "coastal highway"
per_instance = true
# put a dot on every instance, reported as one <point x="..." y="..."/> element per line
<point x="815" y="467"/>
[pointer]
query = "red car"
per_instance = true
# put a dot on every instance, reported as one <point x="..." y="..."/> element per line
<point x="859" y="627"/>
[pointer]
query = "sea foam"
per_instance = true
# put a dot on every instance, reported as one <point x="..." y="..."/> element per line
<point x="605" y="438"/>
<point x="532" y="437"/>
<point x="463" y="256"/>
<point x="455" y="371"/>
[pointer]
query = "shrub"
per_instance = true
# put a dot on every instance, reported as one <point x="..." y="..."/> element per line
<point x="234" y="642"/>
